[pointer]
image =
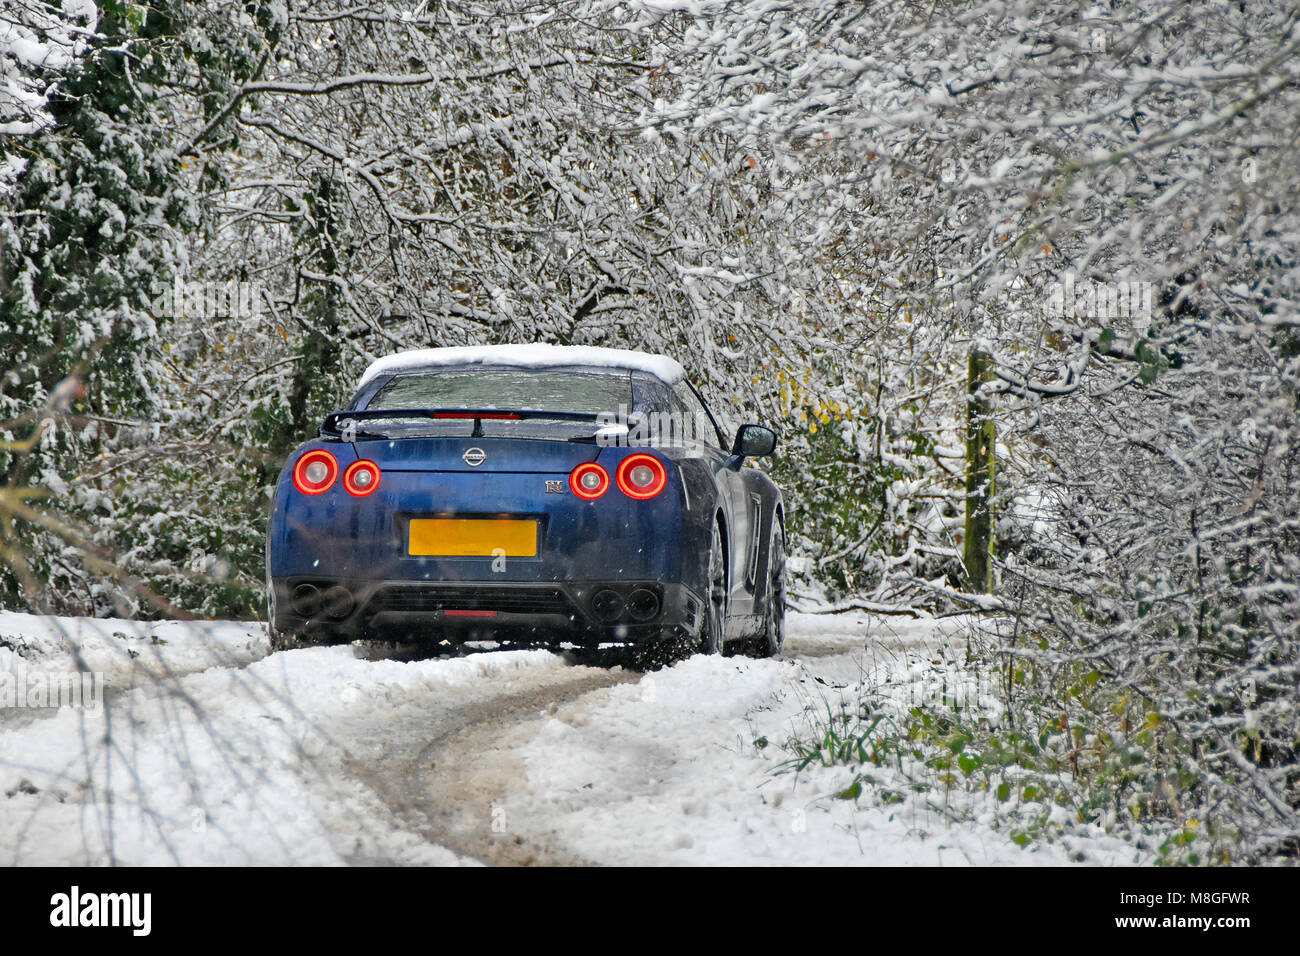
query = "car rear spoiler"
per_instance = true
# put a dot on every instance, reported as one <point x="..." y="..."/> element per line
<point x="336" y="423"/>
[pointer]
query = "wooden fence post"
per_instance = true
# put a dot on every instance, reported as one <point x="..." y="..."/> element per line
<point x="981" y="438"/>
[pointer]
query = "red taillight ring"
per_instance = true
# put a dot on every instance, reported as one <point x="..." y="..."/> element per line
<point x="350" y="478"/>
<point x="306" y="485"/>
<point x="590" y="468"/>
<point x="641" y="491"/>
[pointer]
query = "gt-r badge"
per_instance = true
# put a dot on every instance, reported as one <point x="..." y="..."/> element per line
<point x="474" y="457"/>
<point x="555" y="487"/>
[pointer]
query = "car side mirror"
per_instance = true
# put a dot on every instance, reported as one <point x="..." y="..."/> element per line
<point x="753" y="441"/>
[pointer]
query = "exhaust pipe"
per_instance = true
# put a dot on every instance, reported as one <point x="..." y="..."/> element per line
<point x="643" y="605"/>
<point x="305" y="600"/>
<point x="338" y="602"/>
<point x="607" y="605"/>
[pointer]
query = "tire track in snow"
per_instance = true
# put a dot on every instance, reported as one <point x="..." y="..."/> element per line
<point x="446" y="773"/>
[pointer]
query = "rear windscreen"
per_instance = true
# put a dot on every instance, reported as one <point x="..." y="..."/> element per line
<point x="546" y="390"/>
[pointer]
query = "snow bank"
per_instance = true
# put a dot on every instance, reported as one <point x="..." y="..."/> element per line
<point x="124" y="650"/>
<point x="224" y="767"/>
<point x="678" y="768"/>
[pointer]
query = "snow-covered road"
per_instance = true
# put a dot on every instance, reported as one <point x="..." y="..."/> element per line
<point x="206" y="751"/>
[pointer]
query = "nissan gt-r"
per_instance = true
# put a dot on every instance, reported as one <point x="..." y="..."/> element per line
<point x="544" y="494"/>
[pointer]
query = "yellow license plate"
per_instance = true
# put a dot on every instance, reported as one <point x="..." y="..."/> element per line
<point x="473" y="537"/>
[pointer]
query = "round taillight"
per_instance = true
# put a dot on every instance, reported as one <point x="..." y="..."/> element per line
<point x="589" y="481"/>
<point x="315" y="472"/>
<point x="361" y="478"/>
<point x="641" y="476"/>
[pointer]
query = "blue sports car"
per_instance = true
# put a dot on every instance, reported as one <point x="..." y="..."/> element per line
<point x="545" y="494"/>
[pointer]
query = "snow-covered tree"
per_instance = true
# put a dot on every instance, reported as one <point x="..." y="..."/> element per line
<point x="40" y="43"/>
<point x="1096" y="195"/>
<point x="97" y="220"/>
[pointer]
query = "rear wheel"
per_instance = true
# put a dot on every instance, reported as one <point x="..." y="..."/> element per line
<point x="289" y="640"/>
<point x="283" y="640"/>
<point x="768" y="644"/>
<point x="713" y="636"/>
<point x="278" y="639"/>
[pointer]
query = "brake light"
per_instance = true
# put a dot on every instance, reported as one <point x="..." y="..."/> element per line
<point x="502" y="416"/>
<point x="315" y="472"/>
<point x="641" y="476"/>
<point x="589" y="481"/>
<point x="361" y="478"/>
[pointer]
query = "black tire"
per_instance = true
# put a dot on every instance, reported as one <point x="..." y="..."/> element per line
<point x="278" y="639"/>
<point x="769" y="643"/>
<point x="713" y="634"/>
<point x="283" y="640"/>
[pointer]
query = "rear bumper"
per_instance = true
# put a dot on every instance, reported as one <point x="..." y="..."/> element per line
<point x="589" y="612"/>
<point x="338" y="535"/>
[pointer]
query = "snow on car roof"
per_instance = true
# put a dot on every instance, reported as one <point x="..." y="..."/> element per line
<point x="535" y="355"/>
